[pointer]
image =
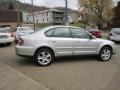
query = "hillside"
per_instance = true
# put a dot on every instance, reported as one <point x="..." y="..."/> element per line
<point x="12" y="4"/>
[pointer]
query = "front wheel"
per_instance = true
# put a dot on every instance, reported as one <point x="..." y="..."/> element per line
<point x="43" y="57"/>
<point x="105" y="54"/>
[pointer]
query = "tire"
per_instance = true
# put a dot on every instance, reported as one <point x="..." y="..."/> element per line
<point x="105" y="54"/>
<point x="43" y="57"/>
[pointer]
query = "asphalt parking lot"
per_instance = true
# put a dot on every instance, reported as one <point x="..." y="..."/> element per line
<point x="68" y="73"/>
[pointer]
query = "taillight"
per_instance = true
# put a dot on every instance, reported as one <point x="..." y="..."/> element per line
<point x="20" y="41"/>
<point x="11" y="34"/>
<point x="100" y="33"/>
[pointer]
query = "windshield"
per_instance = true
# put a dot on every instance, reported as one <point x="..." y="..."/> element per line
<point x="3" y="30"/>
<point x="116" y="30"/>
<point x="25" y="29"/>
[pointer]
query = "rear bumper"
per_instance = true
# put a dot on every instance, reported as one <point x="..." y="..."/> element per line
<point x="7" y="40"/>
<point x="24" y="51"/>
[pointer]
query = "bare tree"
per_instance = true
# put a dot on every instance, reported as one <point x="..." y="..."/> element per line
<point x="98" y="8"/>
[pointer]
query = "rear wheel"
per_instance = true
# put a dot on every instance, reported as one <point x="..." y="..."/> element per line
<point x="105" y="54"/>
<point x="43" y="57"/>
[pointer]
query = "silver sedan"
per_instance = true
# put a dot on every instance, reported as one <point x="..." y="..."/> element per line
<point x="114" y="34"/>
<point x="53" y="41"/>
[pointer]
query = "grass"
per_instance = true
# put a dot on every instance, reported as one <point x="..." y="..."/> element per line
<point x="42" y="25"/>
<point x="81" y="25"/>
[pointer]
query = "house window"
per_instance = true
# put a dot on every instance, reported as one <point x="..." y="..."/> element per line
<point x="37" y="20"/>
<point x="47" y="19"/>
<point x="47" y="13"/>
<point x="43" y="14"/>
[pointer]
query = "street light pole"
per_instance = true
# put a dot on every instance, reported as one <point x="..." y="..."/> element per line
<point x="85" y="14"/>
<point x="33" y="15"/>
<point x="66" y="12"/>
<point x="18" y="13"/>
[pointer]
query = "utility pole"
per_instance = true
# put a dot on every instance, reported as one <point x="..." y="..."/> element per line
<point x="33" y="15"/>
<point x="66" y="12"/>
<point x="85" y="13"/>
<point x="18" y="12"/>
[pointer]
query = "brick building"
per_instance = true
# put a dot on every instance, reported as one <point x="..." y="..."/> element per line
<point x="115" y="23"/>
<point x="9" y="18"/>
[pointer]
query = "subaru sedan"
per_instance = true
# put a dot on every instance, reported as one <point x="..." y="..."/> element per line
<point x="53" y="41"/>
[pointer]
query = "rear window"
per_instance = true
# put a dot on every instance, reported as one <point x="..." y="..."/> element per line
<point x="25" y="29"/>
<point x="3" y="30"/>
<point x="116" y="31"/>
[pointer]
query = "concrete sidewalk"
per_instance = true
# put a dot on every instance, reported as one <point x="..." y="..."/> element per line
<point x="11" y="79"/>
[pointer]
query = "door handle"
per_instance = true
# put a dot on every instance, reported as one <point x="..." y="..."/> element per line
<point x="54" y="41"/>
<point x="78" y="41"/>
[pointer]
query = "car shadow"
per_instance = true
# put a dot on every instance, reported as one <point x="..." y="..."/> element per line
<point x="29" y="61"/>
<point x="3" y="45"/>
<point x="117" y="43"/>
<point x="58" y="60"/>
<point x="75" y="59"/>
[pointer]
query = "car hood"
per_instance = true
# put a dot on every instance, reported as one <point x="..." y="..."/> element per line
<point x="104" y="40"/>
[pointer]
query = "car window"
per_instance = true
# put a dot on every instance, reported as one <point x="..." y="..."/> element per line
<point x="25" y="29"/>
<point x="49" y="33"/>
<point x="116" y="31"/>
<point x="79" y="33"/>
<point x="62" y="32"/>
<point x="3" y="30"/>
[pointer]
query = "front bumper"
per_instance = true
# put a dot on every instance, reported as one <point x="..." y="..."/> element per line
<point x="7" y="40"/>
<point x="117" y="39"/>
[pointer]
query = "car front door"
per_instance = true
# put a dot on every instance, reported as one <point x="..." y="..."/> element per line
<point x="62" y="41"/>
<point x="83" y="42"/>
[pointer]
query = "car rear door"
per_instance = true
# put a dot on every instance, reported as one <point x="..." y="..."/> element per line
<point x="62" y="41"/>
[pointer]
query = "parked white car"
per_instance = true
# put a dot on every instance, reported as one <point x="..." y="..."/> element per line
<point x="22" y="31"/>
<point x="5" y="36"/>
<point x="53" y="41"/>
<point x="114" y="34"/>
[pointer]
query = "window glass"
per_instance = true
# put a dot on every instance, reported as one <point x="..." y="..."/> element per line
<point x="79" y="33"/>
<point x="49" y="33"/>
<point x="2" y="30"/>
<point x="25" y="29"/>
<point x="62" y="32"/>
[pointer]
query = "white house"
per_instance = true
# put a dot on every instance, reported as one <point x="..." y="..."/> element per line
<point x="72" y="16"/>
<point x="47" y="16"/>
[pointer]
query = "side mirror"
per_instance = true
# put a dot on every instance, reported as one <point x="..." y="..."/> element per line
<point x="91" y="37"/>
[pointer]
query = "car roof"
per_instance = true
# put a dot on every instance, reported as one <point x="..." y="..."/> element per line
<point x="62" y="26"/>
<point x="55" y="26"/>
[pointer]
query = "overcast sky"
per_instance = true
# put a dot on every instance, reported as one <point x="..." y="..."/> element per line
<point x="56" y="3"/>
